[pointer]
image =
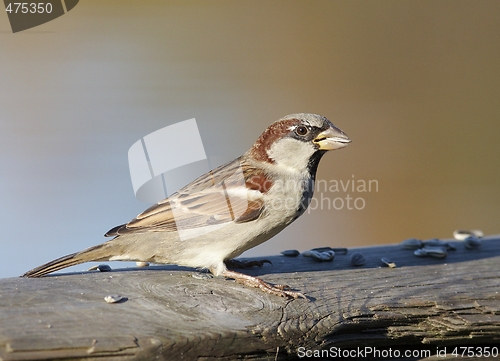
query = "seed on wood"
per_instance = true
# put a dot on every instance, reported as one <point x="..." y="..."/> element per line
<point x="326" y="249"/>
<point x="462" y="234"/>
<point x="428" y="251"/>
<point x="472" y="242"/>
<point x="357" y="259"/>
<point x="436" y="252"/>
<point x="438" y="243"/>
<point x="388" y="263"/>
<point x="411" y="243"/>
<point x="316" y="256"/>
<point x="290" y="253"/>
<point x="326" y="256"/>
<point x="104" y="268"/>
<point x="101" y="267"/>
<point x="113" y="298"/>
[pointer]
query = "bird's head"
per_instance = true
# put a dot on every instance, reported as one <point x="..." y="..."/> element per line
<point x="298" y="141"/>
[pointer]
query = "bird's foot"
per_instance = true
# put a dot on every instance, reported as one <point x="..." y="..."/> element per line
<point x="241" y="264"/>
<point x="278" y="290"/>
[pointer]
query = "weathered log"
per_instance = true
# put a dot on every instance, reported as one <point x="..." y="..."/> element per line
<point x="167" y="313"/>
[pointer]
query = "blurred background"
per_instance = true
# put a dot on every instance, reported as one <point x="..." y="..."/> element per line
<point x="415" y="85"/>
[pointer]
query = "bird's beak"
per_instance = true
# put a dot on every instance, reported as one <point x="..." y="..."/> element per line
<point x="332" y="138"/>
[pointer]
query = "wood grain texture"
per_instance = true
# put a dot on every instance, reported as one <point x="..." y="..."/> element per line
<point x="168" y="314"/>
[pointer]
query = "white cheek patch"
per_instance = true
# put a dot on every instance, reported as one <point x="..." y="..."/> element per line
<point x="291" y="153"/>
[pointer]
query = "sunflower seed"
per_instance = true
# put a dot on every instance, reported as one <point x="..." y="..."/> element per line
<point x="428" y="251"/>
<point x="142" y="264"/>
<point x="411" y="243"/>
<point x="357" y="259"/>
<point x="472" y="242"/>
<point x="320" y="256"/>
<point x="113" y="298"/>
<point x="438" y="243"/>
<point x="104" y="268"/>
<point x="436" y="252"/>
<point x="328" y="256"/>
<point x="461" y="234"/>
<point x="290" y="253"/>
<point x="316" y="256"/>
<point x="326" y="249"/>
<point x="388" y="263"/>
<point x="101" y="267"/>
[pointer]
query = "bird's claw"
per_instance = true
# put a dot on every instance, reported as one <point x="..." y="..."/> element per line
<point x="278" y="290"/>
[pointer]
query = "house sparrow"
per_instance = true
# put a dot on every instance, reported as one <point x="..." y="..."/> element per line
<point x="228" y="210"/>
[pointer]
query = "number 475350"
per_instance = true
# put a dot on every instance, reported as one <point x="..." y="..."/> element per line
<point x="479" y="351"/>
<point x="32" y="8"/>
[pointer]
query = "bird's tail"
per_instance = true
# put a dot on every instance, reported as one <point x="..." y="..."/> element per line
<point x="97" y="253"/>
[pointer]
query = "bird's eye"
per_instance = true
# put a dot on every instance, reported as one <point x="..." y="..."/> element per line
<point x="301" y="130"/>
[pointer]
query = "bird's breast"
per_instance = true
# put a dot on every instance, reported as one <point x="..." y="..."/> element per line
<point x="289" y="197"/>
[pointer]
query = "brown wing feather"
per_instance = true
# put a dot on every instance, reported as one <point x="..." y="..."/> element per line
<point x="209" y="199"/>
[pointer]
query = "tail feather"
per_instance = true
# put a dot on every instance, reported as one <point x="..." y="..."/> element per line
<point x="96" y="253"/>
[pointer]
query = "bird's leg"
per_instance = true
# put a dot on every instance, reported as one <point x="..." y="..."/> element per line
<point x="234" y="263"/>
<point x="278" y="290"/>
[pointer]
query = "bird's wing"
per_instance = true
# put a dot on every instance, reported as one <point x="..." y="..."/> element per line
<point x="230" y="193"/>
